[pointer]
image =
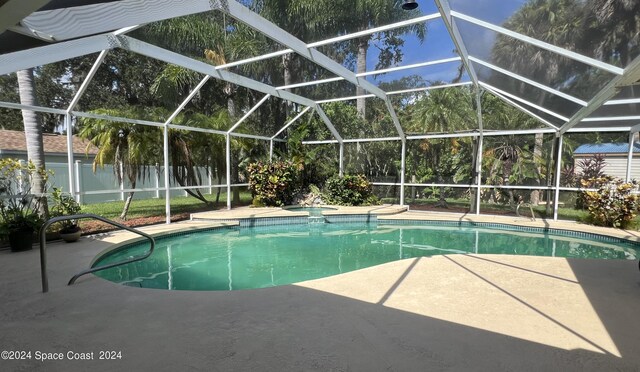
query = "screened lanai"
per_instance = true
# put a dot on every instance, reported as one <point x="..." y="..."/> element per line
<point x="571" y="69"/>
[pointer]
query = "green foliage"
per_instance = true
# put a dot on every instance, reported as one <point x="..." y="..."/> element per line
<point x="63" y="205"/>
<point x="18" y="206"/>
<point x="273" y="184"/>
<point x="350" y="190"/>
<point x="614" y="204"/>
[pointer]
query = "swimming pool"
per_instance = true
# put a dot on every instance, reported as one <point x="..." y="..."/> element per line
<point x="258" y="257"/>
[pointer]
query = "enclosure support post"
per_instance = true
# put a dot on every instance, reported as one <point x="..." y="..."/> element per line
<point x="557" y="176"/>
<point x="341" y="167"/>
<point x="479" y="172"/>
<point x="402" y="164"/>
<point x="228" y="153"/>
<point x="627" y="178"/>
<point x="78" y="185"/>
<point x="72" y="183"/>
<point x="156" y="180"/>
<point x="167" y="193"/>
<point x="478" y="159"/>
<point x="271" y="150"/>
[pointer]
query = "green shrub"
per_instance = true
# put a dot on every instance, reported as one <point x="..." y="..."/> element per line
<point x="614" y="204"/>
<point x="350" y="190"/>
<point x="273" y="184"/>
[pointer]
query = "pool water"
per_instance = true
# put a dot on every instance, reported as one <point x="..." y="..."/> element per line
<point x="258" y="257"/>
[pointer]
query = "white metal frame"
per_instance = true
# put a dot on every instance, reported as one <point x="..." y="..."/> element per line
<point x="46" y="26"/>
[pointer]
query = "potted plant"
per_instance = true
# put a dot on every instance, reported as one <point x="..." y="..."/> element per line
<point x="65" y="205"/>
<point x="20" y="210"/>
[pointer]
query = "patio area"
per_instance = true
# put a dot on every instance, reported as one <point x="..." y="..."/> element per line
<point x="450" y="312"/>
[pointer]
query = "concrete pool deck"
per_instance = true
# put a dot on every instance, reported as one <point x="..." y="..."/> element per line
<point x="449" y="313"/>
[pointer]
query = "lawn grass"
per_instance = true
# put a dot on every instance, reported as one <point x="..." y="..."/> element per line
<point x="156" y="207"/>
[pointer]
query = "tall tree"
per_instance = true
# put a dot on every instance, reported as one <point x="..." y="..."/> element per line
<point x="442" y="111"/>
<point x="33" y="132"/>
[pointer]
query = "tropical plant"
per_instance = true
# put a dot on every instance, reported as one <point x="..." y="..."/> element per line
<point x="614" y="204"/>
<point x="350" y="190"/>
<point x="442" y="111"/>
<point x="64" y="205"/>
<point x="20" y="208"/>
<point x="590" y="176"/>
<point x="273" y="184"/>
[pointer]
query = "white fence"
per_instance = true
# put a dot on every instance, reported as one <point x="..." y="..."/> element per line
<point x="90" y="186"/>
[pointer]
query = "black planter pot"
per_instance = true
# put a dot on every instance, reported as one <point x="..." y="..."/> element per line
<point x="71" y="234"/>
<point x="21" y="240"/>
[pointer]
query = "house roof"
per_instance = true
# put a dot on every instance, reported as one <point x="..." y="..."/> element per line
<point x="14" y="140"/>
<point x="606" y="148"/>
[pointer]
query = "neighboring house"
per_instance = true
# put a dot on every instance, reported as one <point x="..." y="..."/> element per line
<point x="615" y="156"/>
<point x="14" y="145"/>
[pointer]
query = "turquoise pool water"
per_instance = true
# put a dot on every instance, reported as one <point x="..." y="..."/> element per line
<point x="258" y="257"/>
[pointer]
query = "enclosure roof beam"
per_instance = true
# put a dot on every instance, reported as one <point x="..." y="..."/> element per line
<point x="12" y="62"/>
<point x="519" y="107"/>
<point x="184" y="103"/>
<point x="394" y="118"/>
<point x="87" y="80"/>
<point x="630" y="75"/>
<point x="350" y="98"/>
<point x="514" y="97"/>
<point x="374" y="72"/>
<point x="251" y="19"/>
<point x="454" y="33"/>
<point x="610" y="118"/>
<point x="599" y="129"/>
<point x="20" y="106"/>
<point x="628" y="101"/>
<point x="291" y="122"/>
<point x="13" y="11"/>
<point x="407" y="67"/>
<point x="541" y="44"/>
<point x="116" y="119"/>
<point x="327" y="122"/>
<point x="251" y="111"/>
<point x="308" y="83"/>
<point x="79" y="21"/>
<point x="334" y="40"/>
<point x="161" y="54"/>
<point x="529" y="81"/>
<point x="425" y="89"/>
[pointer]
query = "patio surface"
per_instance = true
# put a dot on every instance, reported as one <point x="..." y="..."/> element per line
<point x="444" y="313"/>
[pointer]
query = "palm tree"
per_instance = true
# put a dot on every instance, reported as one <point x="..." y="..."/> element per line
<point x="556" y="22"/>
<point x="129" y="148"/>
<point x="442" y="111"/>
<point x="507" y="159"/>
<point x="33" y="133"/>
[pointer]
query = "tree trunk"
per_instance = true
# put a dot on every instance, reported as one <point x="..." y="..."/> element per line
<point x="33" y="133"/>
<point x="287" y="70"/>
<point x="537" y="155"/>
<point x="127" y="203"/>
<point x="363" y="46"/>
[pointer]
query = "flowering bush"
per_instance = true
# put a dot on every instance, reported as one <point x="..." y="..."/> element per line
<point x="350" y="190"/>
<point x="614" y="204"/>
<point x="273" y="184"/>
